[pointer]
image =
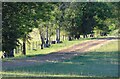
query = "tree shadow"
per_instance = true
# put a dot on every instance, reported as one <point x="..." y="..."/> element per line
<point x="87" y="64"/>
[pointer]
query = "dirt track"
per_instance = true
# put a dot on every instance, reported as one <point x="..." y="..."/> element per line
<point x="57" y="56"/>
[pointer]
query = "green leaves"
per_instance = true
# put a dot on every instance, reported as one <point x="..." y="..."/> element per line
<point x="74" y="18"/>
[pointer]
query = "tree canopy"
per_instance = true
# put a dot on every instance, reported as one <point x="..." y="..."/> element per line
<point x="74" y="18"/>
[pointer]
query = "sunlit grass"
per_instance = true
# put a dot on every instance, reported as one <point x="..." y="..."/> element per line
<point x="33" y="74"/>
<point x="111" y="47"/>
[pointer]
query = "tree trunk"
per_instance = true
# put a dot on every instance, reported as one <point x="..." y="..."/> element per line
<point x="42" y="40"/>
<point x="83" y="35"/>
<point x="58" y="35"/>
<point x="86" y="36"/>
<point x="69" y="38"/>
<point x="47" y="41"/>
<point x="24" y="47"/>
<point x="12" y="53"/>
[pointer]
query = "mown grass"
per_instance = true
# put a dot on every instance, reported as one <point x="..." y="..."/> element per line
<point x="102" y="62"/>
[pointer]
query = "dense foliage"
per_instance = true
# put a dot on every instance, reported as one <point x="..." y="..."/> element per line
<point x="73" y="18"/>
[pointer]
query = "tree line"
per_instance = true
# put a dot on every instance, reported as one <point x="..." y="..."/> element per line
<point x="74" y="18"/>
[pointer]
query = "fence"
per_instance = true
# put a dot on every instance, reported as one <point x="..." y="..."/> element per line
<point x="29" y="46"/>
<point x="34" y="45"/>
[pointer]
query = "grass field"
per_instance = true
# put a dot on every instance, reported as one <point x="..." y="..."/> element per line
<point x="100" y="62"/>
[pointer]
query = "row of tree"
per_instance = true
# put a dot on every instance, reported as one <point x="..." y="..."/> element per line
<point x="75" y="18"/>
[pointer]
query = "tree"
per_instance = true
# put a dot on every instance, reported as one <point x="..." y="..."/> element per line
<point x="10" y="29"/>
<point x="42" y="14"/>
<point x="17" y="23"/>
<point x="87" y="16"/>
<point x="116" y="14"/>
<point x="59" y="14"/>
<point x="25" y="18"/>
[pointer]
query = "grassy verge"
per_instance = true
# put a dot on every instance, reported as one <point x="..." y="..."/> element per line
<point x="100" y="62"/>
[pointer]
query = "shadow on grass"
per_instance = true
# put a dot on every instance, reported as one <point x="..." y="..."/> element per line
<point x="103" y="64"/>
<point x="39" y="55"/>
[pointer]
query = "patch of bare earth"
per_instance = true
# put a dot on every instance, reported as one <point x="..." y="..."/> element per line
<point x="57" y="56"/>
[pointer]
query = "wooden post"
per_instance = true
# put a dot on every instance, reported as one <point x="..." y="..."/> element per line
<point x="32" y="45"/>
<point x="36" y="45"/>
